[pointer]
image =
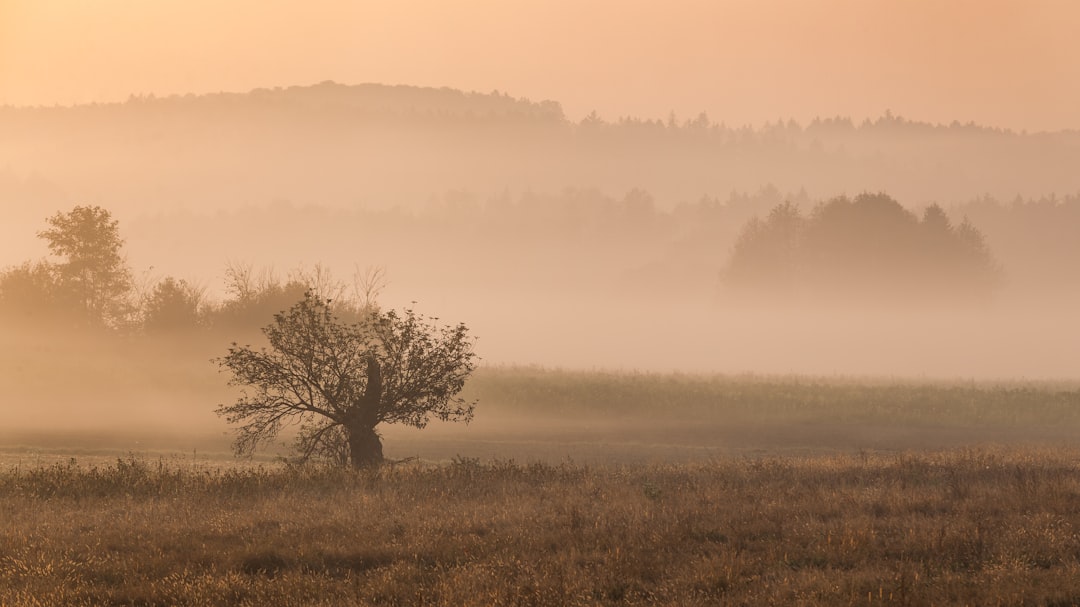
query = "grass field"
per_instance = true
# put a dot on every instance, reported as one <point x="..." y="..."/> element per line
<point x="627" y="489"/>
<point x="529" y="414"/>
<point x="961" y="527"/>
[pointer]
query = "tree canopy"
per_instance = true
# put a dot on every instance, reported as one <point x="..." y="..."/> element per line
<point x="93" y="272"/>
<point x="172" y="306"/>
<point x="338" y="381"/>
<point x="89" y="283"/>
<point x="866" y="246"/>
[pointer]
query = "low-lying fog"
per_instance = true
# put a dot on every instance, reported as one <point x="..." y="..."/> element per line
<point x="636" y="246"/>
<point x="1013" y="342"/>
<point x="73" y="392"/>
<point x="636" y="294"/>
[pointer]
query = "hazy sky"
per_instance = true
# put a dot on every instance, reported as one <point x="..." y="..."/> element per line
<point x="1011" y="63"/>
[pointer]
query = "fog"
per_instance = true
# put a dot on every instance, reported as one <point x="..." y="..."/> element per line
<point x="887" y="248"/>
<point x="580" y="244"/>
<point x="584" y="280"/>
<point x="376" y="146"/>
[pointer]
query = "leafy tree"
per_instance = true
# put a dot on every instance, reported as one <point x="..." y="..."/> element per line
<point x="869" y="242"/>
<point x="975" y="257"/>
<point x="339" y="381"/>
<point x="935" y="222"/>
<point x="172" y="305"/>
<point x="254" y="298"/>
<point x="869" y="245"/>
<point x="93" y="277"/>
<point x="28" y="292"/>
<point x="766" y="251"/>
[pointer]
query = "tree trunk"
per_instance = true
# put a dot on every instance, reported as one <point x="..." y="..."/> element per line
<point x="365" y="446"/>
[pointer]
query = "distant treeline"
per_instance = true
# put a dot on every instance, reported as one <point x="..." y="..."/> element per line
<point x="869" y="246"/>
<point x="37" y="294"/>
<point x="588" y="242"/>
<point x="344" y="146"/>
<point x="770" y="245"/>
<point x="87" y="285"/>
<point x="330" y="100"/>
<point x="339" y="101"/>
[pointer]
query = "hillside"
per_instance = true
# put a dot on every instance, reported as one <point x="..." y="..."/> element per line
<point x="377" y="145"/>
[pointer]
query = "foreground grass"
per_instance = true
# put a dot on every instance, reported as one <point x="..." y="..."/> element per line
<point x="977" y="527"/>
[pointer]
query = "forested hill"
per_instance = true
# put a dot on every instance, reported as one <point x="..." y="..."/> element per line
<point x="345" y="102"/>
<point x="382" y="146"/>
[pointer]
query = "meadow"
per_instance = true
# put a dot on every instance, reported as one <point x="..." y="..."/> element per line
<point x="960" y="527"/>
<point x="583" y="488"/>
<point x="144" y="403"/>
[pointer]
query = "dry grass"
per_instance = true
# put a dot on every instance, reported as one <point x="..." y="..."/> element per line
<point x="696" y="490"/>
<point x="961" y="527"/>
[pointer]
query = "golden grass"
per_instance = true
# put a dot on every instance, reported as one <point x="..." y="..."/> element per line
<point x="959" y="527"/>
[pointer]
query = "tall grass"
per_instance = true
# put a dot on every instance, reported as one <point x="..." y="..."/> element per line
<point x="964" y="527"/>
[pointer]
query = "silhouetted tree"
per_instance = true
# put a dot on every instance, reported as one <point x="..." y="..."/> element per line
<point x="92" y="276"/>
<point x="936" y="222"/>
<point x="869" y="242"/>
<point x="869" y="245"/>
<point x="975" y="258"/>
<point x="766" y="251"/>
<point x="172" y="305"/>
<point x="28" y="292"/>
<point x="338" y="381"/>
<point x="254" y="298"/>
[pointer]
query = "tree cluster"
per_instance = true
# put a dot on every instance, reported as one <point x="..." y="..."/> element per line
<point x="87" y="284"/>
<point x="866" y="247"/>
<point x="305" y="143"/>
<point x="334" y="370"/>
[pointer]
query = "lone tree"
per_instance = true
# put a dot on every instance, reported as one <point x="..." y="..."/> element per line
<point x="337" y="381"/>
<point x="93" y="277"/>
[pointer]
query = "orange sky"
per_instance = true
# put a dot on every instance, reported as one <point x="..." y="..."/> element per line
<point x="1011" y="63"/>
